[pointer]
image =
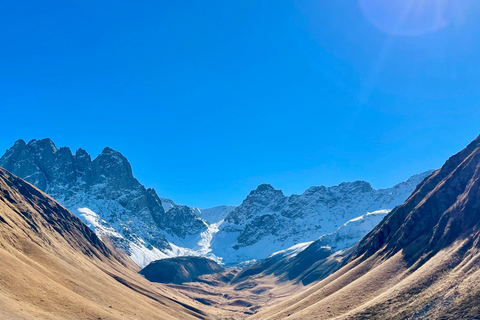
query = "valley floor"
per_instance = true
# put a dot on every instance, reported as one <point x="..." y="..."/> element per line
<point x="226" y="300"/>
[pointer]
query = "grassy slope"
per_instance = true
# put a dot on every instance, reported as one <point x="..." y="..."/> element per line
<point x="53" y="266"/>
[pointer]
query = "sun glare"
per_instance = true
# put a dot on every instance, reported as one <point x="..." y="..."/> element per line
<point x="407" y="17"/>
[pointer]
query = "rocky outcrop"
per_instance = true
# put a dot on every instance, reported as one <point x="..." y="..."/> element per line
<point x="186" y="221"/>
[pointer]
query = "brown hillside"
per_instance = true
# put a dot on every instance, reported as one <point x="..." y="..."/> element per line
<point x="53" y="266"/>
<point x="421" y="262"/>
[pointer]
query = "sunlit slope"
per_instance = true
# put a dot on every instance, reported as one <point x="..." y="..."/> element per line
<point x="54" y="266"/>
<point x="422" y="261"/>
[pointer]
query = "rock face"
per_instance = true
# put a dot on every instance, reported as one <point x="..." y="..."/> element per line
<point x="180" y="269"/>
<point x="104" y="193"/>
<point x="268" y="221"/>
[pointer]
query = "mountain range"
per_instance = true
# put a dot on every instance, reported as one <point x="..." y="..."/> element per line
<point x="104" y="193"/>
<point x="420" y="260"/>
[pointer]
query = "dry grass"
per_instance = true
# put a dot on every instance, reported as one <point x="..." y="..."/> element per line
<point x="443" y="288"/>
<point x="238" y="300"/>
<point x="51" y="269"/>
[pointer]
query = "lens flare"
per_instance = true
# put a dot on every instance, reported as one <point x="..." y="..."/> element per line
<point x="407" y="17"/>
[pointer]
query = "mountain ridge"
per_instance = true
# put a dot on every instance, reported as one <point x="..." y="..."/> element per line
<point x="104" y="193"/>
<point x="300" y="218"/>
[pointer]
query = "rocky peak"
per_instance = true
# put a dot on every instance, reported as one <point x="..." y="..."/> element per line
<point x="112" y="168"/>
<point x="20" y="143"/>
<point x="81" y="153"/>
<point x="315" y="189"/>
<point x="263" y="199"/>
<point x="14" y="152"/>
<point x="264" y="187"/>
<point x="22" y="160"/>
<point x="105" y="194"/>
<point x="354" y="187"/>
<point x="269" y="221"/>
<point x="263" y="193"/>
<point x="82" y="162"/>
<point x="43" y="146"/>
<point x="108" y="150"/>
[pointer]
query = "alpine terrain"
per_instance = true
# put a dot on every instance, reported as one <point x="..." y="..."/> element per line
<point x="104" y="193"/>
<point x="267" y="221"/>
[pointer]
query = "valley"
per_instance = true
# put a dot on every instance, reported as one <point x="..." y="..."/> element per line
<point x="419" y="260"/>
<point x="240" y="160"/>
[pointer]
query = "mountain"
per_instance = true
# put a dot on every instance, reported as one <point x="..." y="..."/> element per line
<point x="312" y="261"/>
<point x="105" y="194"/>
<point x="53" y="266"/>
<point x="421" y="262"/>
<point x="268" y="221"/>
<point x="180" y="269"/>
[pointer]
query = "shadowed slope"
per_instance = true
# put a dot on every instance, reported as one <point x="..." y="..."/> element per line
<point x="53" y="266"/>
<point x="421" y="262"/>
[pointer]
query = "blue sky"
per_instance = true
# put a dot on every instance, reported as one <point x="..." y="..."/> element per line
<point x="208" y="99"/>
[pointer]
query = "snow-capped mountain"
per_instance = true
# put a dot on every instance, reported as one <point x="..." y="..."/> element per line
<point x="310" y="261"/>
<point x="268" y="221"/>
<point x="104" y="193"/>
<point x="344" y="237"/>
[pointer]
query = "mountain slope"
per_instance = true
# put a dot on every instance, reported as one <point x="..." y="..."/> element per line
<point x="421" y="262"/>
<point x="268" y="221"/>
<point x="54" y="266"/>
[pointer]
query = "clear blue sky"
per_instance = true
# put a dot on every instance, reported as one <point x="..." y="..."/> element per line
<point x="208" y="99"/>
